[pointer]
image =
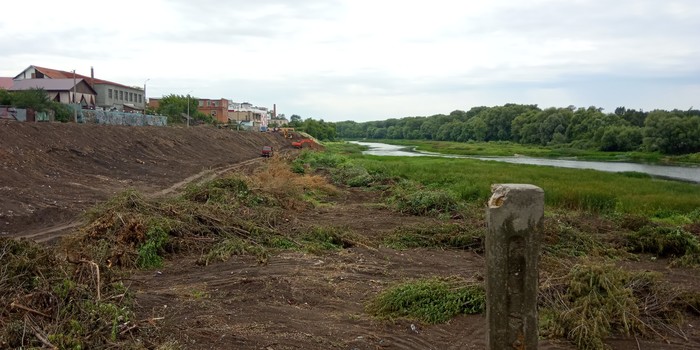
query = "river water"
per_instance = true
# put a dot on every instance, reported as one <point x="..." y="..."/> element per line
<point x="683" y="173"/>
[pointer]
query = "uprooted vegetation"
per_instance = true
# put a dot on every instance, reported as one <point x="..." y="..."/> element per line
<point x="77" y="298"/>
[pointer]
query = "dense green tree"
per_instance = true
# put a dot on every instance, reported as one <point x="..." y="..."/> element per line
<point x="621" y="138"/>
<point x="587" y="128"/>
<point x="36" y="99"/>
<point x="175" y="107"/>
<point x="672" y="132"/>
<point x="5" y="98"/>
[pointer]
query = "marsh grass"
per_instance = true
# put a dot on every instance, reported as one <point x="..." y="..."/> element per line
<point x="573" y="189"/>
<point x="432" y="300"/>
<point x="505" y="148"/>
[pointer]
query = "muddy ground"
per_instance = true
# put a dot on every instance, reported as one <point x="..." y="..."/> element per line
<point x="50" y="173"/>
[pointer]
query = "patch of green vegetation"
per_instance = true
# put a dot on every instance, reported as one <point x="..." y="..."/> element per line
<point x="573" y="189"/>
<point x="598" y="301"/>
<point x="231" y="246"/>
<point x="150" y="252"/>
<point x="436" y="236"/>
<point x="78" y="310"/>
<point x="318" y="240"/>
<point x="227" y="190"/>
<point x="507" y="149"/>
<point x="665" y="241"/>
<point x="562" y="240"/>
<point x="412" y="198"/>
<point x="433" y="300"/>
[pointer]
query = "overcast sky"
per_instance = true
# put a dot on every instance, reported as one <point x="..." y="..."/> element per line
<point x="372" y="60"/>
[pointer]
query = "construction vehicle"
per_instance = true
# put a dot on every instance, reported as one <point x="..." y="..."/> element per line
<point x="287" y="132"/>
<point x="266" y="151"/>
<point x="300" y="144"/>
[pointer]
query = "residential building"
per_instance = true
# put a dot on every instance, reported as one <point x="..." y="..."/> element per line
<point x="217" y="109"/>
<point x="247" y="113"/>
<point x="6" y="83"/>
<point x="110" y="95"/>
<point x="61" y="90"/>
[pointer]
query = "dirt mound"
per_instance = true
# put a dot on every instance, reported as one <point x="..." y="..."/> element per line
<point x="51" y="172"/>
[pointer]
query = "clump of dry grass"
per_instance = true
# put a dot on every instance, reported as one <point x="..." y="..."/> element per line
<point x="592" y="302"/>
<point x="56" y="303"/>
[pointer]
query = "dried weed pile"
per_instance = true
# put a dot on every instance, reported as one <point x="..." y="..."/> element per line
<point x="59" y="303"/>
<point x="223" y="217"/>
<point x="71" y="296"/>
<point x="592" y="301"/>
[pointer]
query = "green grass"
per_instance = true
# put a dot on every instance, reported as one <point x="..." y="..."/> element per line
<point x="433" y="300"/>
<point x="573" y="189"/>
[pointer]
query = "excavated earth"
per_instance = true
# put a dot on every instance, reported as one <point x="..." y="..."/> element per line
<point x="51" y="173"/>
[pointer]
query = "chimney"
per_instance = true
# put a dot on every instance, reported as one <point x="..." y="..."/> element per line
<point x="274" y="110"/>
<point x="92" y="77"/>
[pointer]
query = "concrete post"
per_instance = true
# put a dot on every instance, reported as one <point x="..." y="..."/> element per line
<point x="515" y="216"/>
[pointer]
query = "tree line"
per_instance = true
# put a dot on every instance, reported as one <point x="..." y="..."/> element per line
<point x="668" y="132"/>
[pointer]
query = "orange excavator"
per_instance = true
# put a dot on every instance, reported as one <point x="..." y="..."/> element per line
<point x="300" y="144"/>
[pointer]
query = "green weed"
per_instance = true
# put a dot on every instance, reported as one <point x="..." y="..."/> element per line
<point x="436" y="236"/>
<point x="663" y="241"/>
<point x="150" y="252"/>
<point x="229" y="247"/>
<point x="322" y="239"/>
<point x="434" y="300"/>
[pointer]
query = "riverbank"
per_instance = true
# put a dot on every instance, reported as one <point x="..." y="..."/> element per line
<point x="507" y="149"/>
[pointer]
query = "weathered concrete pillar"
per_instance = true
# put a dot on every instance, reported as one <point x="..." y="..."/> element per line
<point x="515" y="216"/>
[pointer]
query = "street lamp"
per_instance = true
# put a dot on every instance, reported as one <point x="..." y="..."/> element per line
<point x="145" y="103"/>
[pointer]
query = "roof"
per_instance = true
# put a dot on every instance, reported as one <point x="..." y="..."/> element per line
<point x="47" y="84"/>
<point x="6" y="83"/>
<point x="61" y="74"/>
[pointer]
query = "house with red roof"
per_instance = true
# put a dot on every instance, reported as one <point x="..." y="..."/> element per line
<point x="109" y="95"/>
<point x="6" y="83"/>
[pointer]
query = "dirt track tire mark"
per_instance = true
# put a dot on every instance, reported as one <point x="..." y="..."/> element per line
<point x="49" y="234"/>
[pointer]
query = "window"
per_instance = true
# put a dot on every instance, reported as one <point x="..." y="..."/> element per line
<point x="121" y="95"/>
<point x="213" y="113"/>
<point x="131" y="97"/>
<point x="139" y="98"/>
<point x="201" y="103"/>
<point x="109" y="93"/>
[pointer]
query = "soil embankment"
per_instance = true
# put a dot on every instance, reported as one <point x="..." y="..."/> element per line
<point x="51" y="172"/>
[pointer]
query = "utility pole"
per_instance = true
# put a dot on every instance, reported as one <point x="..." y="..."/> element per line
<point x="75" y="110"/>
<point x="188" y="108"/>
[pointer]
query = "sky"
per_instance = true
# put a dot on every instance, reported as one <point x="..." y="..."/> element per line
<point x="368" y="60"/>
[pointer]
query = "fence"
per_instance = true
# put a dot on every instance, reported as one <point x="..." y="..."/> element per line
<point x="89" y="116"/>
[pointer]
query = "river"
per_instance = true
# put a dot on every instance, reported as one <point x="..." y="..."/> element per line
<point x="683" y="173"/>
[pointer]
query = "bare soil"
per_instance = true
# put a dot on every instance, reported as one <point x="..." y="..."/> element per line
<point x="50" y="173"/>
